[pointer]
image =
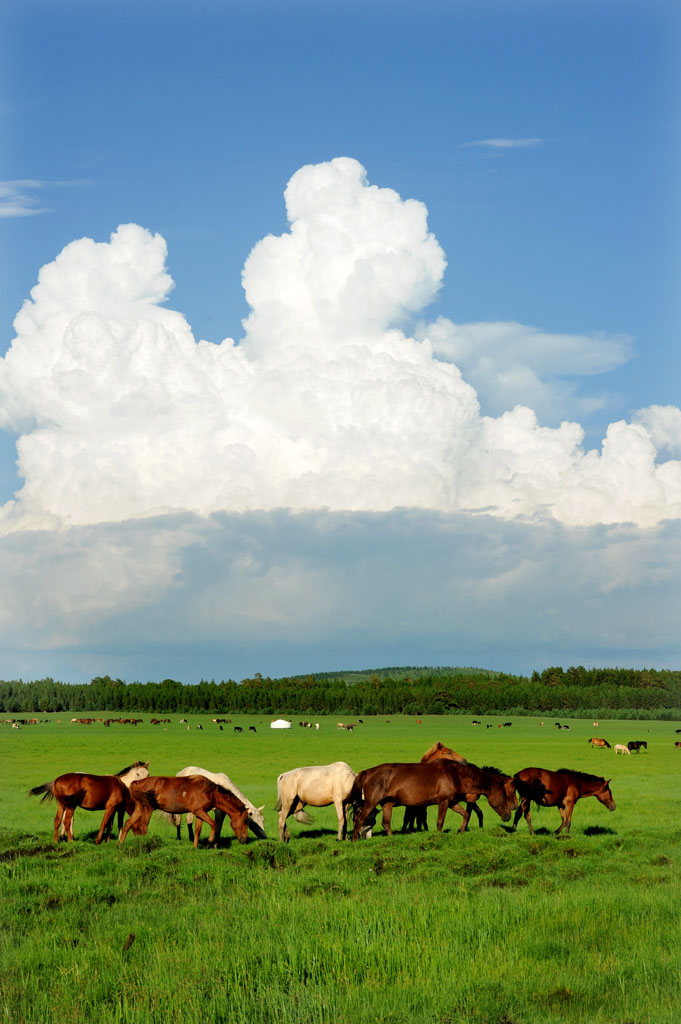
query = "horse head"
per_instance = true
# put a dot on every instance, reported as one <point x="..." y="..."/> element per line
<point x="502" y="796"/>
<point x="605" y="796"/>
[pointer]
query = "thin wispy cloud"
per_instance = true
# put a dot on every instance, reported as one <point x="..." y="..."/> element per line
<point x="20" y="198"/>
<point x="504" y="143"/>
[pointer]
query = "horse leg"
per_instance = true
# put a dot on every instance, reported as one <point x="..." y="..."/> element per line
<point x="367" y="808"/>
<point x="284" y="834"/>
<point x="441" y="814"/>
<point x="58" y="818"/>
<point x="523" y="810"/>
<point x="465" y="814"/>
<point x="340" y="811"/>
<point x="566" y="817"/>
<point x="190" y="827"/>
<point x="219" y="818"/>
<point x="68" y="823"/>
<point x="473" y="806"/>
<point x="204" y="816"/>
<point x="109" y="812"/>
<point x="387" y="817"/>
<point x="140" y="813"/>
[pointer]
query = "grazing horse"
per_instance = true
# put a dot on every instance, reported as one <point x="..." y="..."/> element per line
<point x="93" y="793"/>
<point x="561" y="789"/>
<point x="256" y="822"/>
<point x="635" y="745"/>
<point x="437" y="782"/>
<point x="621" y="749"/>
<point x="597" y="741"/>
<point x="191" y="793"/>
<point x="318" y="786"/>
<point x="419" y="815"/>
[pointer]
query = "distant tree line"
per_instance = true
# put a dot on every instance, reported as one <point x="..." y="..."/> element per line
<point x="614" y="692"/>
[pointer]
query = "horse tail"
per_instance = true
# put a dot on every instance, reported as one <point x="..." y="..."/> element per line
<point x="303" y="817"/>
<point x="46" y="788"/>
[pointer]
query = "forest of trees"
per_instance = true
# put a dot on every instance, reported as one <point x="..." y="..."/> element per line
<point x="613" y="692"/>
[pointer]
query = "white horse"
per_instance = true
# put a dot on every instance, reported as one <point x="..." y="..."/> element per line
<point x="621" y="749"/>
<point x="256" y="822"/>
<point x="319" y="786"/>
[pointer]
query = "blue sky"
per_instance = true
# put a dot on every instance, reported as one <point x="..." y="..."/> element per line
<point x="543" y="141"/>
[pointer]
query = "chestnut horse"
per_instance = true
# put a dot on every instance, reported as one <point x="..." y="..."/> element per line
<point x="93" y="793"/>
<point x="419" y="815"/>
<point x="256" y="822"/>
<point x="597" y="741"/>
<point x="192" y="793"/>
<point x="561" y="789"/>
<point x="438" y="782"/>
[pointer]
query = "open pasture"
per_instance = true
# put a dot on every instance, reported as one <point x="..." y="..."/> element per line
<point x="488" y="926"/>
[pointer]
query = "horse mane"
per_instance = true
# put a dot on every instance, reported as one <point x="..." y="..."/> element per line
<point x="431" y="750"/>
<point x="494" y="771"/>
<point x="130" y="767"/>
<point x="228" y="792"/>
<point x="583" y="775"/>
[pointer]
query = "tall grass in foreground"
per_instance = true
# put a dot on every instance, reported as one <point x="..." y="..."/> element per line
<point x="487" y="927"/>
<point x="424" y="928"/>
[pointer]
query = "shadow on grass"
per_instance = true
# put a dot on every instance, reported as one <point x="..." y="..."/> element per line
<point x="599" y="830"/>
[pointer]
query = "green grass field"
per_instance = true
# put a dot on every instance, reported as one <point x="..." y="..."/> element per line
<point x="487" y="927"/>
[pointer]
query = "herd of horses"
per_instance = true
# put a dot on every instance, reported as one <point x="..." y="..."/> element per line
<point x="442" y="778"/>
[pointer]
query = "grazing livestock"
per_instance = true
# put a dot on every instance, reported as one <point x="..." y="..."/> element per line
<point x="635" y="745"/>
<point x="597" y="741"/>
<point x="237" y="728"/>
<point x="318" y="786"/>
<point x="251" y="728"/>
<point x="561" y="789"/>
<point x="621" y="749"/>
<point x="419" y="815"/>
<point x="93" y="793"/>
<point x="256" y="822"/>
<point x="438" y="782"/>
<point x="192" y="793"/>
<point x="677" y="744"/>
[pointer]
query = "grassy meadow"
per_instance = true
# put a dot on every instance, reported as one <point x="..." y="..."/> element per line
<point x="488" y="927"/>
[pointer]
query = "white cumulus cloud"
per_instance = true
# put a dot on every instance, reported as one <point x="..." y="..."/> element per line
<point x="326" y="402"/>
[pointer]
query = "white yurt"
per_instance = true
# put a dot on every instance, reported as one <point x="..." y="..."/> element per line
<point x="280" y="723"/>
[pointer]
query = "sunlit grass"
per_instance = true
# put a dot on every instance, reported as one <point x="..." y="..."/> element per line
<point x="488" y="926"/>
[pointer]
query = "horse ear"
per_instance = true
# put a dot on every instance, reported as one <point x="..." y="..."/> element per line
<point x="606" y="783"/>
<point x="261" y="808"/>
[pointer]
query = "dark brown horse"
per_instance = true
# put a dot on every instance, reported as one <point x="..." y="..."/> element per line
<point x="561" y="789"/>
<point x="193" y="794"/>
<point x="438" y="782"/>
<point x="419" y="815"/>
<point x="93" y="793"/>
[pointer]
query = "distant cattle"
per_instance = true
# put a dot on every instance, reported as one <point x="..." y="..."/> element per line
<point x="566" y="727"/>
<point x="677" y="743"/>
<point x="237" y="728"/>
<point x="251" y="728"/>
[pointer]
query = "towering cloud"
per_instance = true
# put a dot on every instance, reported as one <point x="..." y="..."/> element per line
<point x="326" y="402"/>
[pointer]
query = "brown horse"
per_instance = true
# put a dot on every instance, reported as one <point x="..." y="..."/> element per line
<point x="193" y="794"/>
<point x="93" y="793"/>
<point x="596" y="741"/>
<point x="438" y="782"/>
<point x="561" y="789"/>
<point x="419" y="815"/>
